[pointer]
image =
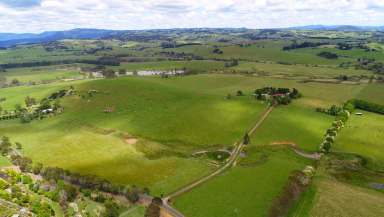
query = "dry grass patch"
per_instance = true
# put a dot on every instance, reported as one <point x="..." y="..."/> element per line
<point x="337" y="199"/>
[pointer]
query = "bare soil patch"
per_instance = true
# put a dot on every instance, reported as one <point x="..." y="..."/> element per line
<point x="131" y="141"/>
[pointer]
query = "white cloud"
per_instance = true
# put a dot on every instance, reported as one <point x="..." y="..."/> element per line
<point x="44" y="15"/>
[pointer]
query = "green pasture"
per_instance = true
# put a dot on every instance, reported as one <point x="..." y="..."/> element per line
<point x="315" y="94"/>
<point x="16" y="95"/>
<point x="298" y="71"/>
<point x="345" y="55"/>
<point x="193" y="65"/>
<point x="246" y="190"/>
<point x="363" y="135"/>
<point x="87" y="150"/>
<point x="170" y="118"/>
<point x="39" y="74"/>
<point x="372" y="93"/>
<point x="265" y="50"/>
<point x="293" y="124"/>
<point x="36" y="53"/>
<point x="151" y="108"/>
<point x="377" y="46"/>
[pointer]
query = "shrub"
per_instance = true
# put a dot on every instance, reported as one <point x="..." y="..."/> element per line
<point x="111" y="209"/>
<point x="328" y="55"/>
<point x="3" y="184"/>
<point x="153" y="209"/>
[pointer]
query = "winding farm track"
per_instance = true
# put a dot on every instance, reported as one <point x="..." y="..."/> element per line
<point x="298" y="151"/>
<point x="230" y="163"/>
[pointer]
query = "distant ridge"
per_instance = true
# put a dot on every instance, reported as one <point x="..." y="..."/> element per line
<point x="344" y="28"/>
<point x="12" y="39"/>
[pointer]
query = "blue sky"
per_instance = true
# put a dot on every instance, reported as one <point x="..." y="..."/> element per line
<point x="42" y="15"/>
<point x="21" y="3"/>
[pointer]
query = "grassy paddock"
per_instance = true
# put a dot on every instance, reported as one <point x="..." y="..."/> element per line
<point x="39" y="74"/>
<point x="170" y="118"/>
<point x="335" y="198"/>
<point x="16" y="95"/>
<point x="363" y="135"/>
<point x="293" y="124"/>
<point x="246" y="190"/>
<point x="297" y="71"/>
<point x="193" y="66"/>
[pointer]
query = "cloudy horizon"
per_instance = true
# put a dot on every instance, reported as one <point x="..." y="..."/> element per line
<point x="34" y="16"/>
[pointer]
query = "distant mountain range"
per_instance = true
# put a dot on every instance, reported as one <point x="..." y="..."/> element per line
<point x="12" y="39"/>
<point x="343" y="28"/>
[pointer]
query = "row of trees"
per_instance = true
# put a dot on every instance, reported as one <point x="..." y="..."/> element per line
<point x="342" y="115"/>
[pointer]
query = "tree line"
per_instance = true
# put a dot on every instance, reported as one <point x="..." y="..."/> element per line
<point x="110" y="61"/>
<point x="367" y="106"/>
<point x="306" y="44"/>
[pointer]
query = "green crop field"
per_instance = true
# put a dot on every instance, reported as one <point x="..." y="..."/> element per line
<point x="247" y="190"/>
